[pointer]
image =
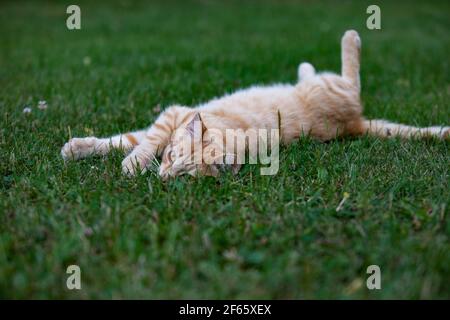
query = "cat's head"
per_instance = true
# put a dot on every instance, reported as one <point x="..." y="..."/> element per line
<point x="194" y="150"/>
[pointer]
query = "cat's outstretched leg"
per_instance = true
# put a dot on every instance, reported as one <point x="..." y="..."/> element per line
<point x="156" y="139"/>
<point x="351" y="48"/>
<point x="78" y="148"/>
<point x="305" y="71"/>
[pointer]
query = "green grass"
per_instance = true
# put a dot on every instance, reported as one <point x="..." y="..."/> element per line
<point x="245" y="236"/>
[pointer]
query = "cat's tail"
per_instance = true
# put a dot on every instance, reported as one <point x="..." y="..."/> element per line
<point x="386" y="129"/>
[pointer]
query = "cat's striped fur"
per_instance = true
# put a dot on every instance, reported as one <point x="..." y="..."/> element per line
<point x="322" y="105"/>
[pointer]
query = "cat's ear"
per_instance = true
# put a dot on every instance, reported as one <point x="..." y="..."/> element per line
<point x="195" y="127"/>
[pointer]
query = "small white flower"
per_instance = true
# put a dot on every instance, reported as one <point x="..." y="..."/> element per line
<point x="87" y="61"/>
<point x="88" y="231"/>
<point x="27" y="110"/>
<point x="42" y="105"/>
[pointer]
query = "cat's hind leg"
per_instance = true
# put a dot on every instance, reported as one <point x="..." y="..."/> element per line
<point x="79" y="148"/>
<point x="305" y="71"/>
<point x="351" y="47"/>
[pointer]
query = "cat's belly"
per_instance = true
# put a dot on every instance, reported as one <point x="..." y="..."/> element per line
<point x="252" y="99"/>
<point x="272" y="107"/>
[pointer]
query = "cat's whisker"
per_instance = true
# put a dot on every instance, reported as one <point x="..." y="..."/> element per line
<point x="155" y="163"/>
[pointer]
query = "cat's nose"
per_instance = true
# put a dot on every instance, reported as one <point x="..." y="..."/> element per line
<point x="164" y="174"/>
<point x="175" y="171"/>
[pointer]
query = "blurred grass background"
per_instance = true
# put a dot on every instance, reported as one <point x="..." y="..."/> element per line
<point x="248" y="236"/>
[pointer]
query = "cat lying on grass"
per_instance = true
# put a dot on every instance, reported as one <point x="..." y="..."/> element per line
<point x="324" y="106"/>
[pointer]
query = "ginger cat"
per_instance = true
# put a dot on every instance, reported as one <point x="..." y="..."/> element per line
<point x="323" y="105"/>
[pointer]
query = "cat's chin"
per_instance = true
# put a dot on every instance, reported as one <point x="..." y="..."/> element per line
<point x="215" y="170"/>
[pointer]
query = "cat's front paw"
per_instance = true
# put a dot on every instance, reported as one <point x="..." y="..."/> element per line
<point x="133" y="165"/>
<point x="78" y="148"/>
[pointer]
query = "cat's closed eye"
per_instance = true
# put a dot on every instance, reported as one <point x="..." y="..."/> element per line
<point x="171" y="155"/>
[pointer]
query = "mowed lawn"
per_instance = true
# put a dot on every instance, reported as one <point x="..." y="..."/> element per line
<point x="244" y="236"/>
